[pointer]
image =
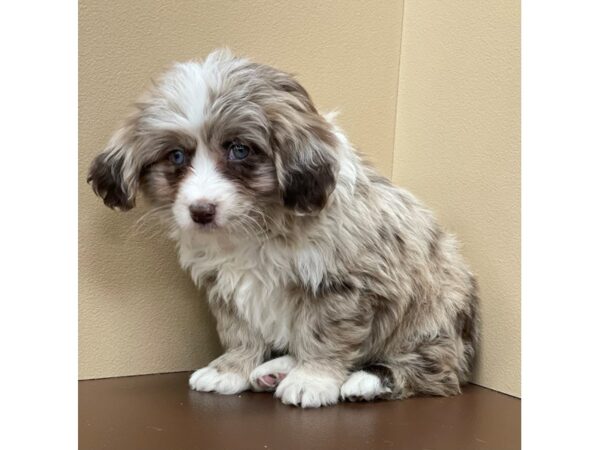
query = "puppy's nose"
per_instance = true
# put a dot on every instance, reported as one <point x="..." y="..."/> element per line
<point x="203" y="212"/>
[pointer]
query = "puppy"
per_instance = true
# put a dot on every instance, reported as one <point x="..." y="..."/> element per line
<point x="327" y="282"/>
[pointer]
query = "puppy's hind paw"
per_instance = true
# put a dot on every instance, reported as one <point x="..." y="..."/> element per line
<point x="363" y="386"/>
<point x="267" y="376"/>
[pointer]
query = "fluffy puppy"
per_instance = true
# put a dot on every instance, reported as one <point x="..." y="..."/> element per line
<point x="327" y="282"/>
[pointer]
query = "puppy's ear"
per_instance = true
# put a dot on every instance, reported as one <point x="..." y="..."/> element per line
<point x="304" y="150"/>
<point x="112" y="175"/>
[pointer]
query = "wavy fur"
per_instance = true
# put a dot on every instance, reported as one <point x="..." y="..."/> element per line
<point x="312" y="254"/>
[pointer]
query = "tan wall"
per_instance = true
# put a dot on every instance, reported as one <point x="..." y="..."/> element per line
<point x="458" y="148"/>
<point x="138" y="312"/>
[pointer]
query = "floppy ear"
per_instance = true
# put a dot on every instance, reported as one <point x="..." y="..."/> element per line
<point x="304" y="149"/>
<point x="113" y="175"/>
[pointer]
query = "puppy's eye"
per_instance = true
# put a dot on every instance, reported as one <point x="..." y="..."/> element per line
<point x="177" y="157"/>
<point x="237" y="151"/>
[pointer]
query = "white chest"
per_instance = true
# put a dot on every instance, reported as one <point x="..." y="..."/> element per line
<point x="260" y="302"/>
<point x="253" y="280"/>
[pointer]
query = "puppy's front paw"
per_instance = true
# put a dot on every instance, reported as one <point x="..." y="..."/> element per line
<point x="309" y="390"/>
<point x="267" y="376"/>
<point x="209" y="379"/>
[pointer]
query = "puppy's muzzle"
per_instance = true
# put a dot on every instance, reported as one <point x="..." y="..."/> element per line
<point x="203" y="213"/>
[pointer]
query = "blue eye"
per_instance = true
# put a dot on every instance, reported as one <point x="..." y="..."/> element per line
<point x="177" y="157"/>
<point x="237" y="151"/>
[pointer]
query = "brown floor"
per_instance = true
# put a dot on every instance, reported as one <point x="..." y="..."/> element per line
<point x="159" y="412"/>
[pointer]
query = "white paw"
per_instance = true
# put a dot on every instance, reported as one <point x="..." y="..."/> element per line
<point x="364" y="386"/>
<point x="267" y="376"/>
<point x="208" y="379"/>
<point x="307" y="389"/>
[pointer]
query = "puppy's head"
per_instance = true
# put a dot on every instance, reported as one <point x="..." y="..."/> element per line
<point x="222" y="142"/>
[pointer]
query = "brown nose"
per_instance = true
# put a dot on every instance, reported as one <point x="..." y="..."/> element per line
<point x="203" y="212"/>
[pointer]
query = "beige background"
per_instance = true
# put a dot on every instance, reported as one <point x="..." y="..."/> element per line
<point x="435" y="106"/>
<point x="458" y="149"/>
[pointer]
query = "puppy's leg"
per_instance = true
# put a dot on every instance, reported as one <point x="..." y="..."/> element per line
<point x="327" y="339"/>
<point x="244" y="350"/>
<point x="267" y="376"/>
<point x="432" y="368"/>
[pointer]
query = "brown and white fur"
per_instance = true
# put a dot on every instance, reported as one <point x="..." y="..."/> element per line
<point x="327" y="282"/>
